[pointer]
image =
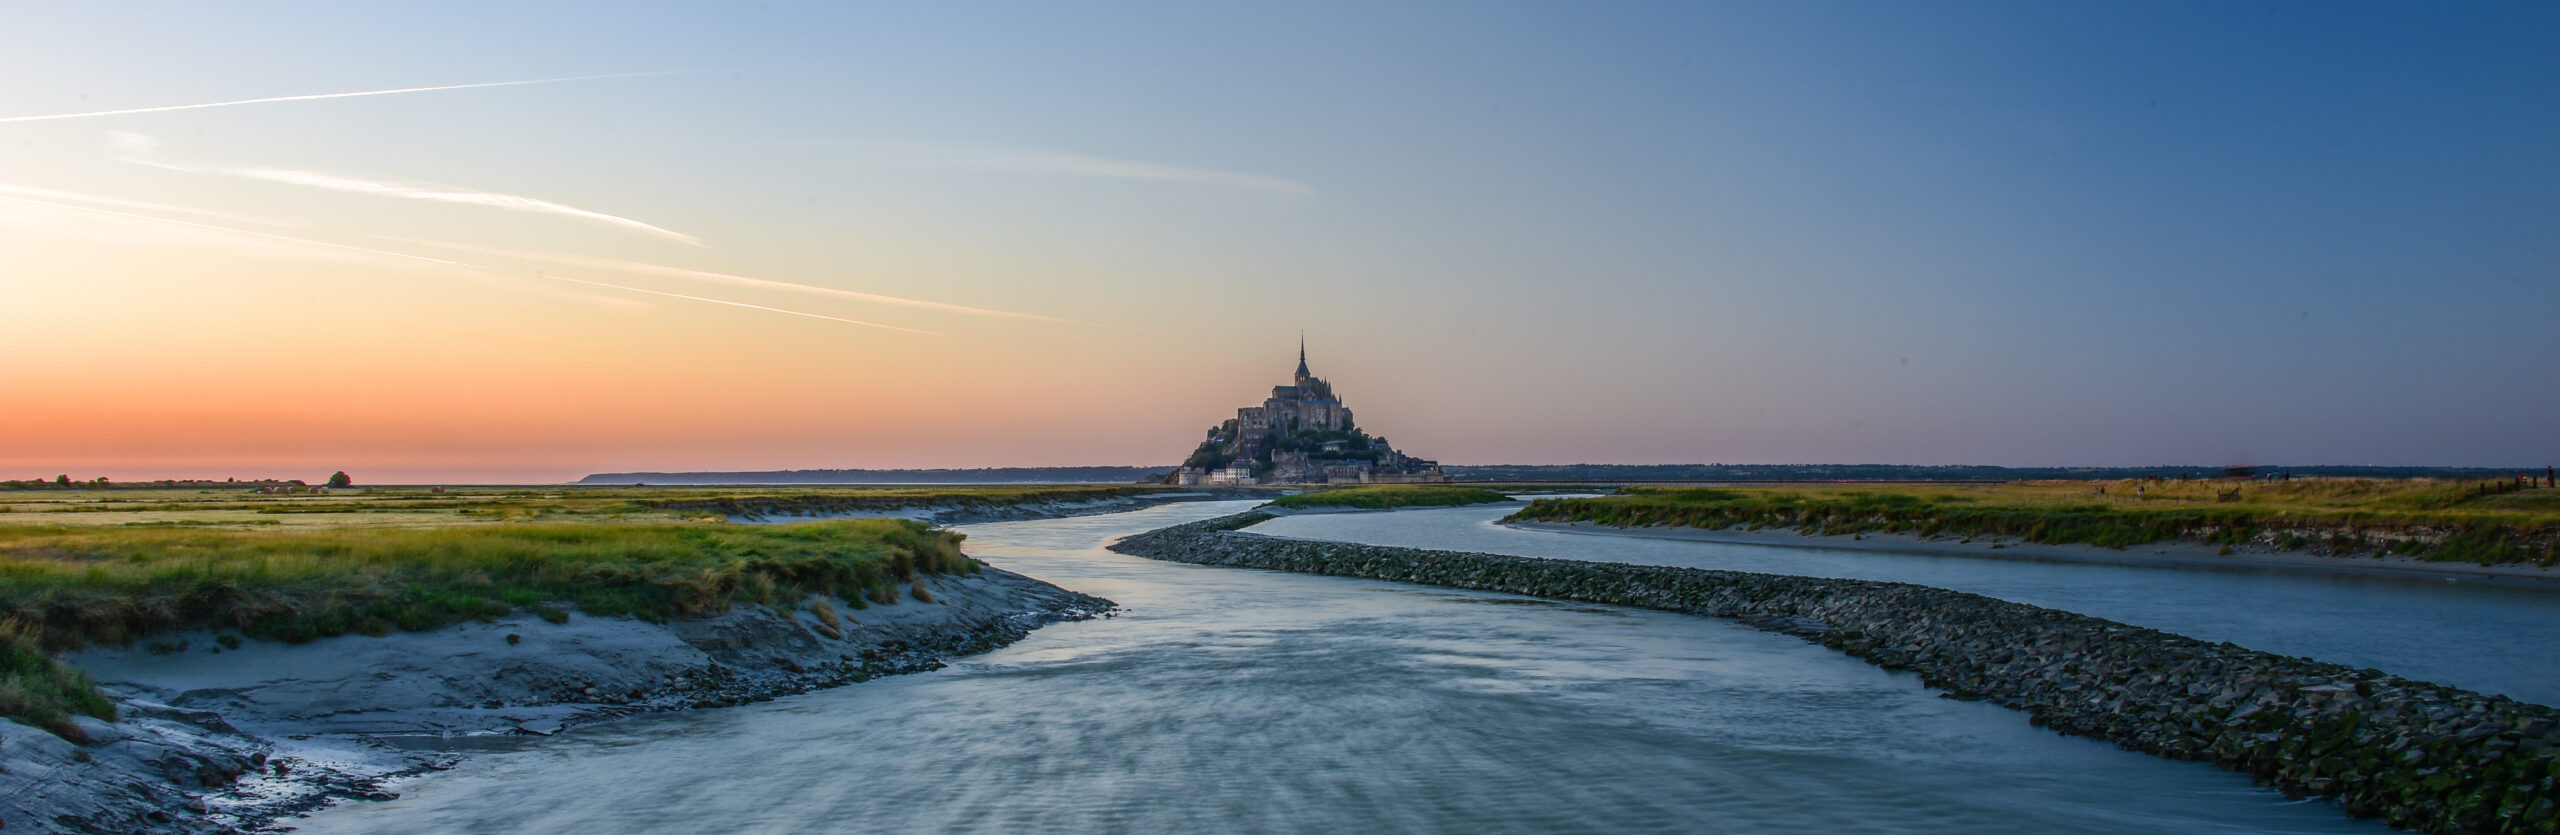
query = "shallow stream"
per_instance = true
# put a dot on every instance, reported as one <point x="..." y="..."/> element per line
<point x="2493" y="639"/>
<point x="1236" y="700"/>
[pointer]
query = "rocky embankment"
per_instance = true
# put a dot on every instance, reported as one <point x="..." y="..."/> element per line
<point x="2419" y="755"/>
<point x="2261" y="554"/>
<point x="222" y="735"/>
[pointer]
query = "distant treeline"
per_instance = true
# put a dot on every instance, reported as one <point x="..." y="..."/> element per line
<point x="984" y="475"/>
<point x="1900" y="472"/>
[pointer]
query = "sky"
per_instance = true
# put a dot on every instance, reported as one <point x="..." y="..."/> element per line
<point x="506" y="242"/>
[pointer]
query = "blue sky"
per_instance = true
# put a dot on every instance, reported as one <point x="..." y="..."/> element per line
<point x="2015" y="233"/>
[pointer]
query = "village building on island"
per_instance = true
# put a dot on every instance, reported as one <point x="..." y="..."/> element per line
<point x="1301" y="434"/>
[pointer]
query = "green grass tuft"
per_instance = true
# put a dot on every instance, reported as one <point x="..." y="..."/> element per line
<point x="38" y="691"/>
<point x="76" y="585"/>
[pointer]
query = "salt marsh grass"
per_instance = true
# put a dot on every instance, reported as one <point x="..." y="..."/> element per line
<point x="1390" y="496"/>
<point x="114" y="566"/>
<point x="2482" y="522"/>
<point x="82" y="584"/>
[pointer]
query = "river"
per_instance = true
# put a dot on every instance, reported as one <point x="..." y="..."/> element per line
<point x="1237" y="700"/>
<point x="2493" y="639"/>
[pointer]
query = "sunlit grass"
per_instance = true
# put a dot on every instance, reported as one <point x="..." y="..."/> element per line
<point x="2484" y="522"/>
<point x="77" y="585"/>
<point x="111" y="566"/>
<point x="37" y="690"/>
<point x="1388" y="496"/>
<point x="442" y="507"/>
<point x="114" y="566"/>
<point x="772" y="501"/>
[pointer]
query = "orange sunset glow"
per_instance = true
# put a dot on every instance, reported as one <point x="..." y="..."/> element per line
<point x="914" y="241"/>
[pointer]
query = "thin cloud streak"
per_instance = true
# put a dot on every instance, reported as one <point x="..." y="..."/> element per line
<point x="235" y="231"/>
<point x="736" y="304"/>
<point x="437" y="261"/>
<point x="318" y="96"/>
<point x="1061" y="163"/>
<point x="143" y="150"/>
<point x="855" y="295"/>
<point x="118" y="202"/>
<point x="738" y="280"/>
<point x="439" y="194"/>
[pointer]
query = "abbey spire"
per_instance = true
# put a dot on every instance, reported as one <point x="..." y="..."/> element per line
<point x="1301" y="434"/>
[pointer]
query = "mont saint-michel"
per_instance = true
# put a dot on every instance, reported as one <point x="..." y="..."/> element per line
<point x="1807" y="417"/>
<point x="1301" y="434"/>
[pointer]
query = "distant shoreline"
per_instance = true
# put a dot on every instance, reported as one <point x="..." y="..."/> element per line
<point x="2174" y="554"/>
<point x="983" y="475"/>
<point x="1612" y="474"/>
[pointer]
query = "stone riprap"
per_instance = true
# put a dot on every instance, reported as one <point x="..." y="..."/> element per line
<point x="2419" y="755"/>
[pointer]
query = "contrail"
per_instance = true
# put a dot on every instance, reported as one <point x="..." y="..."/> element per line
<point x="437" y="261"/>
<point x="316" y="96"/>
<point x="439" y="194"/>
<point x="50" y="194"/>
<point x="140" y="149"/>
<point x="213" y="228"/>
<point x="735" y="304"/>
<point x="739" y="280"/>
<point x="744" y="281"/>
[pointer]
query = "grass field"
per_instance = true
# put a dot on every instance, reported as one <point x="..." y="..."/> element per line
<point x="2478" y="522"/>
<point x="1390" y="496"/>
<point x="439" y="506"/>
<point x="121" y="565"/>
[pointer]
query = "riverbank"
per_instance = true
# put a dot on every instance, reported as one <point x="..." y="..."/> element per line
<point x="2482" y="523"/>
<point x="239" y="734"/>
<point x="187" y="659"/>
<point x="2181" y="554"/>
<point x="2416" y="754"/>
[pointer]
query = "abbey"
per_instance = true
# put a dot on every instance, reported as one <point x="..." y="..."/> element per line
<point x="1301" y="434"/>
